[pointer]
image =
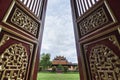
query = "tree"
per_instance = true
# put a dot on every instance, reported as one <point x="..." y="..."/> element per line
<point x="45" y="61"/>
<point x="60" y="67"/>
<point x="53" y="69"/>
<point x="65" y="68"/>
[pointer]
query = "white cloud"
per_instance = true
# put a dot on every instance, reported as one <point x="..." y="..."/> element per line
<point x="58" y="36"/>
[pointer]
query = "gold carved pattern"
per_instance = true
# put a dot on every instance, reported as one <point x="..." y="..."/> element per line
<point x="104" y="63"/>
<point x="25" y="22"/>
<point x="4" y="39"/>
<point x="93" y="21"/>
<point x="13" y="63"/>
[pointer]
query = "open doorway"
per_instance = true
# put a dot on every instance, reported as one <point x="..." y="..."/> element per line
<point x="58" y="39"/>
<point x="96" y="27"/>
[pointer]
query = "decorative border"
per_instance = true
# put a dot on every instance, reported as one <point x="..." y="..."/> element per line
<point x="4" y="39"/>
<point x="103" y="33"/>
<point x="85" y="41"/>
<point x="101" y="63"/>
<point x="23" y="21"/>
<point x="20" y="19"/>
<point x="32" y="38"/>
<point x="31" y="50"/>
<point x="32" y="46"/>
<point x="93" y="21"/>
<point x="13" y="32"/>
<point x="98" y="18"/>
<point x="111" y="38"/>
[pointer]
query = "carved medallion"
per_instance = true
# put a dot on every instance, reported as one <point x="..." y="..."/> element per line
<point x="104" y="63"/>
<point x="13" y="63"/>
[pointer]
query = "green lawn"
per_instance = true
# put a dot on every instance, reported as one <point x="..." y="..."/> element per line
<point x="58" y="76"/>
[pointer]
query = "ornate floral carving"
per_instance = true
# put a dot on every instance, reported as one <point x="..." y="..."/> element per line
<point x="13" y="63"/>
<point x="93" y="21"/>
<point x="23" y="21"/>
<point x="104" y="63"/>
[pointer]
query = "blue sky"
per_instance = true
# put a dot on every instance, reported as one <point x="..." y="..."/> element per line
<point x="58" y="36"/>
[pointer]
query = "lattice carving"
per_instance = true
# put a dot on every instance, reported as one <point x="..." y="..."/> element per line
<point x="104" y="63"/>
<point x="24" y="21"/>
<point x="13" y="63"/>
<point x="93" y="21"/>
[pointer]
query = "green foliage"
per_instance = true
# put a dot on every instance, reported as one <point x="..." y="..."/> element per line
<point x="65" y="68"/>
<point x="53" y="69"/>
<point x="40" y="68"/>
<point x="60" y="67"/>
<point x="45" y="61"/>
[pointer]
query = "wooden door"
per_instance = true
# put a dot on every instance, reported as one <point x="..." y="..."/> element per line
<point x="97" y="33"/>
<point x="21" y="28"/>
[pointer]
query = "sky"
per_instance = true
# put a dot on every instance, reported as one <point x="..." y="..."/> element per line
<point x="58" y="35"/>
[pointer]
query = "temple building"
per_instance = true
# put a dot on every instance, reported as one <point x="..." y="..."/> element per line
<point x="61" y="60"/>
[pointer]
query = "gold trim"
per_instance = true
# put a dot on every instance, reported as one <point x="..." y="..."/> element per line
<point x="31" y="50"/>
<point x="103" y="62"/>
<point x="34" y="40"/>
<point x="92" y="10"/>
<point x="110" y="11"/>
<point x="119" y="30"/>
<point x="13" y="32"/>
<point x="14" y="62"/>
<point x="33" y="67"/>
<point x="93" y="21"/>
<point x="8" y="13"/>
<point x="83" y="64"/>
<point x="97" y="30"/>
<point x="100" y="34"/>
<point x="110" y="38"/>
<point x="0" y="29"/>
<point x="86" y="65"/>
<point x="95" y="7"/>
<point x="83" y="39"/>
<point x="9" y="36"/>
<point x="4" y="39"/>
<point x="33" y="64"/>
<point x="24" y="21"/>
<point x="114" y="41"/>
<point x="17" y="2"/>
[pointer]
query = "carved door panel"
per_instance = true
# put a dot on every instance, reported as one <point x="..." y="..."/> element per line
<point x="97" y="33"/>
<point x="21" y="28"/>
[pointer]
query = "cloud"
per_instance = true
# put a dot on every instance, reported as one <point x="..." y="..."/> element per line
<point x="58" y="36"/>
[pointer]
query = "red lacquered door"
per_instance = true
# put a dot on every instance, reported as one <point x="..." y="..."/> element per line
<point x="97" y="33"/>
<point x="21" y="29"/>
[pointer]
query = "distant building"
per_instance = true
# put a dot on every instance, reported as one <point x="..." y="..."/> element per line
<point x="61" y="60"/>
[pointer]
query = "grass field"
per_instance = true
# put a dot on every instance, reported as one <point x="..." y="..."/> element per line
<point x="58" y="76"/>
